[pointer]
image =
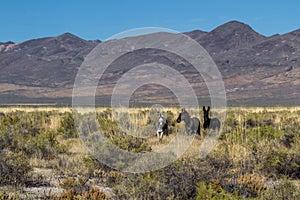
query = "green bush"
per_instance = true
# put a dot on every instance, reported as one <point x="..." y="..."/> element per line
<point x="282" y="164"/>
<point x="23" y="132"/>
<point x="67" y="126"/>
<point x="176" y="181"/>
<point x="214" y="191"/>
<point x="14" y="168"/>
<point x="282" y="190"/>
<point x="47" y="144"/>
<point x="120" y="138"/>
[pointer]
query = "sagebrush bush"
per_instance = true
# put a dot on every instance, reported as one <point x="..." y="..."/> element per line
<point x="176" y="181"/>
<point x="14" y="168"/>
<point x="282" y="190"/>
<point x="121" y="139"/>
<point x="215" y="191"/>
<point x="24" y="132"/>
<point x="67" y="126"/>
<point x="92" y="194"/>
<point x="282" y="163"/>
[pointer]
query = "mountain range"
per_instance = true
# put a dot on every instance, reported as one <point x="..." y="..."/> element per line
<point x="256" y="69"/>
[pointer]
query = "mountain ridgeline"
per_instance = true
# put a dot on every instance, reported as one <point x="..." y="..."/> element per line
<point x="256" y="69"/>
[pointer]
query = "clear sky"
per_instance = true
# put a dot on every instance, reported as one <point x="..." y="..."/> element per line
<point x="22" y="20"/>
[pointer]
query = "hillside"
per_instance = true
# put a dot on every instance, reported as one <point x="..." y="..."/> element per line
<point x="256" y="69"/>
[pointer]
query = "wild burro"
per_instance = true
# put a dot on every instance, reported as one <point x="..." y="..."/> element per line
<point x="209" y="123"/>
<point x="161" y="126"/>
<point x="192" y="125"/>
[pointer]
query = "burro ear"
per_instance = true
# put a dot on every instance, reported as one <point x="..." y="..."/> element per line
<point x="204" y="108"/>
<point x="208" y="108"/>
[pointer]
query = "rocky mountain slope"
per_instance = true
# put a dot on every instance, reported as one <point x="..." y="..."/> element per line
<point x="256" y="69"/>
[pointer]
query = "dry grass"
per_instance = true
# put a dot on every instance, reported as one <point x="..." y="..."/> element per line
<point x="140" y="117"/>
<point x="34" y="108"/>
<point x="264" y="109"/>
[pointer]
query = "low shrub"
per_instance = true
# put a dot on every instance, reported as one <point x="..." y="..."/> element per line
<point x="282" y="190"/>
<point x="14" y="168"/>
<point x="92" y="194"/>
<point x="214" y="190"/>
<point x="176" y="181"/>
<point x="6" y="196"/>
<point x="67" y="126"/>
<point x="282" y="164"/>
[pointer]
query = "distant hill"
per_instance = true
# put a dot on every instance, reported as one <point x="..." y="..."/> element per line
<point x="257" y="70"/>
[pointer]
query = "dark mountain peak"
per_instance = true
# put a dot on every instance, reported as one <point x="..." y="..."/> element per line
<point x="235" y="28"/>
<point x="230" y="35"/>
<point x="196" y="34"/>
<point x="72" y="41"/>
<point x="68" y="36"/>
<point x="94" y="41"/>
<point x="65" y="38"/>
<point x="6" y="43"/>
<point x="234" y="24"/>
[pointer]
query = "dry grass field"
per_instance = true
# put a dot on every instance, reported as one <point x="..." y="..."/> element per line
<point x="257" y="156"/>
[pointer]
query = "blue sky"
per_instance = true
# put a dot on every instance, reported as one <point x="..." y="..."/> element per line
<point x="21" y="20"/>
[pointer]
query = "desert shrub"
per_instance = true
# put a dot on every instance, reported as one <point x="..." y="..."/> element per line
<point x="121" y="139"/>
<point x="106" y="114"/>
<point x="67" y="126"/>
<point x="214" y="190"/>
<point x="171" y="118"/>
<point x="176" y="181"/>
<point x="78" y="185"/>
<point x="141" y="186"/>
<point x="283" y="190"/>
<point x="250" y="184"/>
<point x="92" y="164"/>
<point x="97" y="169"/>
<point x="23" y="132"/>
<point x="5" y="196"/>
<point x="27" y="121"/>
<point x="259" y="119"/>
<point x="233" y="163"/>
<point x="253" y="120"/>
<point x="287" y="140"/>
<point x="47" y="144"/>
<point x="259" y="135"/>
<point x="282" y="164"/>
<point x="231" y="123"/>
<point x="92" y="194"/>
<point x="79" y="188"/>
<point x="14" y="168"/>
